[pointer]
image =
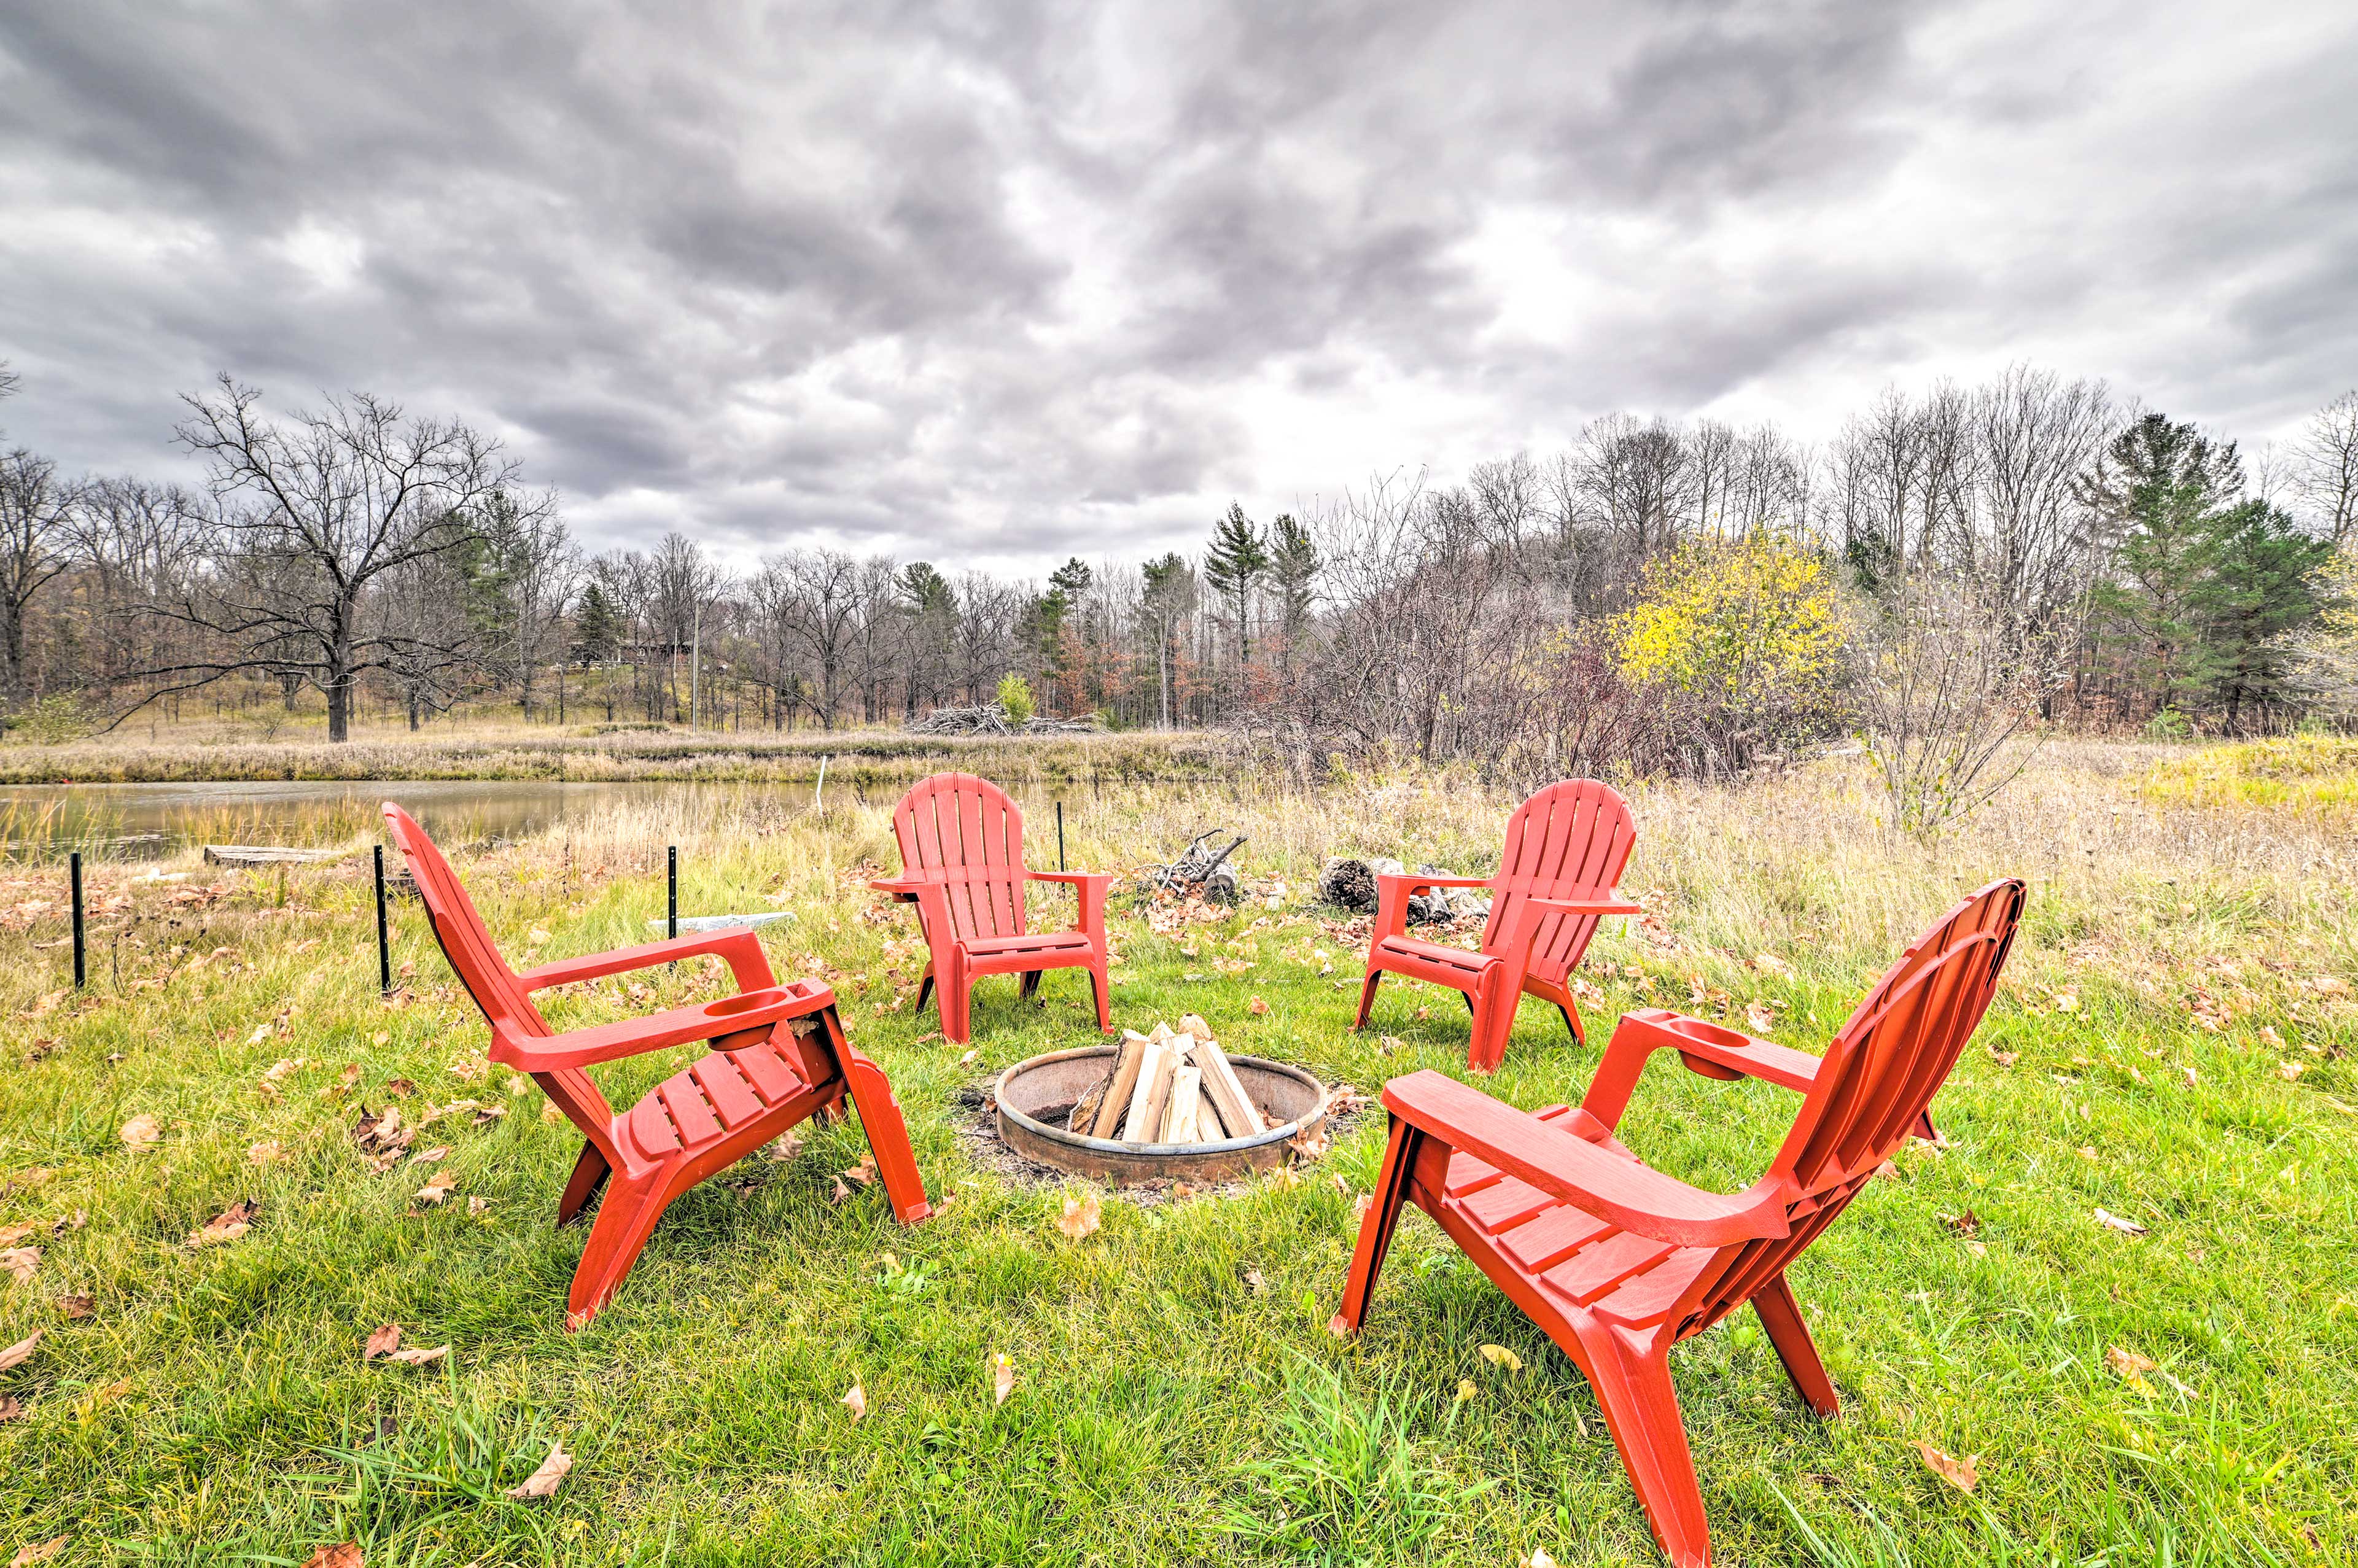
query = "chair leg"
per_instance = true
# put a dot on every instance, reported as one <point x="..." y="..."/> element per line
<point x="1376" y="1230"/>
<point x="589" y="1173"/>
<point x="1782" y="1316"/>
<point x="888" y="1137"/>
<point x="623" y="1223"/>
<point x="1101" y="988"/>
<point x="1572" y="1021"/>
<point x="1030" y="983"/>
<point x="958" y="1007"/>
<point x="1632" y="1379"/>
<point x="1368" y="996"/>
<point x="1494" y="1021"/>
<point x="925" y="989"/>
<point x="1924" y="1129"/>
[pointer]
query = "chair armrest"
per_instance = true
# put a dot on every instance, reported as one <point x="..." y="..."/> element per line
<point x="1598" y="906"/>
<point x="1711" y="1049"/>
<point x="1615" y="1188"/>
<point x="737" y="944"/>
<point x="902" y="888"/>
<point x="1089" y="888"/>
<point x="657" y="1031"/>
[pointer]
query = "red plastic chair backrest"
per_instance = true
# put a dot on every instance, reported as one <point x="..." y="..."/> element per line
<point x="963" y="832"/>
<point x="460" y="932"/>
<point x="1875" y="1080"/>
<point x="1569" y="841"/>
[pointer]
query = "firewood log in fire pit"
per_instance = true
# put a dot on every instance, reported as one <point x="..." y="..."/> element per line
<point x="1173" y="1086"/>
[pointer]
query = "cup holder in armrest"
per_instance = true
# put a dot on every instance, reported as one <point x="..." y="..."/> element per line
<point x="746" y="1001"/>
<point x="1708" y="1032"/>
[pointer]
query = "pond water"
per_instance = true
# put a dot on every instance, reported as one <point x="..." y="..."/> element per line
<point x="145" y="820"/>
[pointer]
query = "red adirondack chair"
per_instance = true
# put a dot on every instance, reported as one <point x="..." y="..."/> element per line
<point x="962" y="865"/>
<point x="779" y="1055"/>
<point x="1617" y="1262"/>
<point x="1565" y="848"/>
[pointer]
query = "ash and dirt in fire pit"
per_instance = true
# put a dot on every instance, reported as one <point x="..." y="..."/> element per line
<point x="975" y="1120"/>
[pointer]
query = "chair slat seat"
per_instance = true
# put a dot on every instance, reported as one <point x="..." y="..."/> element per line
<point x="1418" y="958"/>
<point x="1031" y="942"/>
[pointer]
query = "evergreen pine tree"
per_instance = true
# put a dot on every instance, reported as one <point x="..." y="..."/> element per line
<point x="1238" y="559"/>
<point x="595" y="626"/>
<point x="2158" y="493"/>
<point x="1292" y="563"/>
<point x="2260" y="587"/>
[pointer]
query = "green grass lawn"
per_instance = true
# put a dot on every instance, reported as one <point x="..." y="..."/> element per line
<point x="2170" y="1047"/>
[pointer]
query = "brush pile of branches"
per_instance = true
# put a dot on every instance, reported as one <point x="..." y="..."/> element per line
<point x="990" y="718"/>
<point x="1202" y="870"/>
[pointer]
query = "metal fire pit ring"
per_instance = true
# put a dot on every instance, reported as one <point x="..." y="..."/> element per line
<point x="1040" y="1090"/>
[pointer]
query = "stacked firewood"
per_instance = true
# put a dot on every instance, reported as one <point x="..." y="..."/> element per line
<point x="1173" y="1086"/>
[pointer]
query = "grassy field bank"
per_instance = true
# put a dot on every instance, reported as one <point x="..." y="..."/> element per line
<point x="587" y="754"/>
<point x="2171" y="1046"/>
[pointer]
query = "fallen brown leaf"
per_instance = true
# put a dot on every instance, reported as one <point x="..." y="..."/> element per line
<point x="1002" y="1377"/>
<point x="20" y="1261"/>
<point x="1499" y="1356"/>
<point x="16" y="1355"/>
<point x="1255" y="1283"/>
<point x="438" y="1186"/>
<point x="2131" y="1367"/>
<point x="41" y="1552"/>
<point x="855" y="1400"/>
<point x="342" y="1554"/>
<point x="11" y="1235"/>
<point x="12" y="1409"/>
<point x="419" y="1357"/>
<point x="140" y="1131"/>
<point x="1961" y="1474"/>
<point x="268" y="1153"/>
<point x="544" y="1481"/>
<point x="74" y="1308"/>
<point x="1081" y="1217"/>
<point x="1257" y="1006"/>
<point x="862" y="1173"/>
<point x="227" y="1226"/>
<point x="383" y="1342"/>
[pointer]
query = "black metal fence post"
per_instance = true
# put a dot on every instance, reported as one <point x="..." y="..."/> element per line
<point x="81" y="968"/>
<point x="671" y="907"/>
<point x="1060" y="835"/>
<point x="384" y="939"/>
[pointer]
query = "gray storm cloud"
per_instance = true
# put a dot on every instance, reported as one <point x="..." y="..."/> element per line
<point x="1004" y="283"/>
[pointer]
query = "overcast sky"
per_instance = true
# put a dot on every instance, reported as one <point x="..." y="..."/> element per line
<point x="994" y="284"/>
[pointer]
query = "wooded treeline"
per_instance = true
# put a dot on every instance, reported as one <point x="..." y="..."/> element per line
<point x="1662" y="593"/>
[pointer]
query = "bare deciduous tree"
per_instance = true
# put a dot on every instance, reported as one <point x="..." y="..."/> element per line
<point x="2328" y="463"/>
<point x="37" y="512"/>
<point x="1944" y="691"/>
<point x="311" y="514"/>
